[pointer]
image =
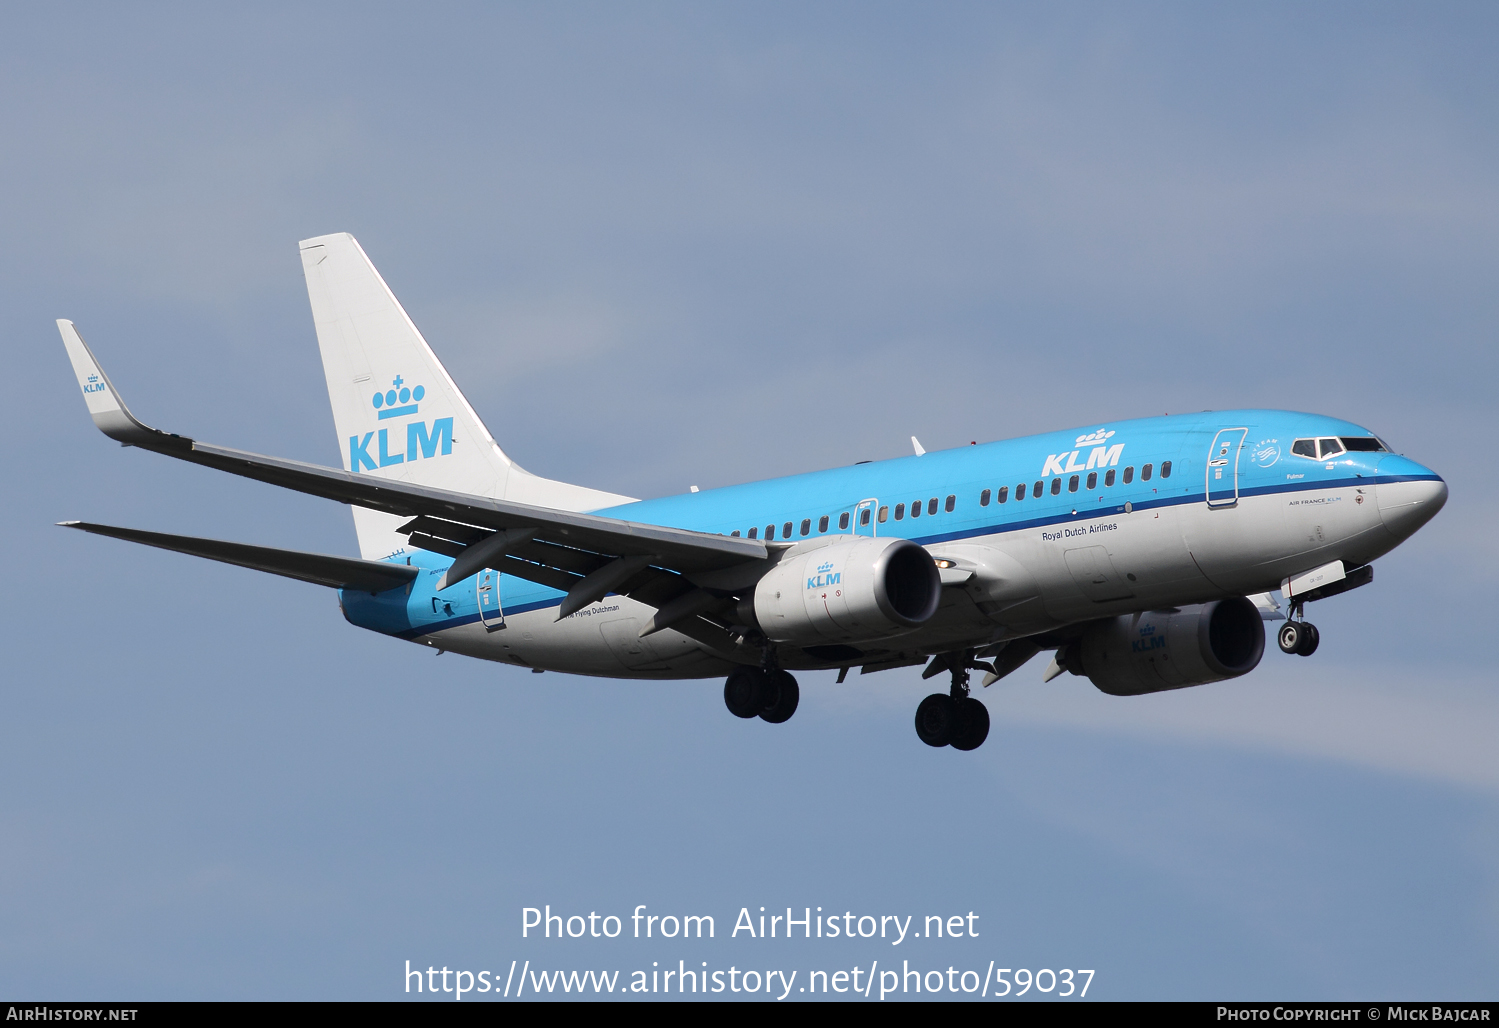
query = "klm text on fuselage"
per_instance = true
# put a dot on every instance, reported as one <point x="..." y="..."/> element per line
<point x="1101" y="457"/>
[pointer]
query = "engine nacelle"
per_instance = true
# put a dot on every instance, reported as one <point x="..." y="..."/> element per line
<point x="1158" y="650"/>
<point x="847" y="589"/>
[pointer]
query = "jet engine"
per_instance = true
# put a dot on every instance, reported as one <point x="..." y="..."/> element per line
<point x="847" y="589"/>
<point x="1159" y="650"/>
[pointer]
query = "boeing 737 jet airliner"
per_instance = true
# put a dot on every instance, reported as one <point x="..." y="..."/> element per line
<point x="1142" y="554"/>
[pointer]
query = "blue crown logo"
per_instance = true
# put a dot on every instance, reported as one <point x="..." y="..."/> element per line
<point x="398" y="401"/>
<point x="823" y="568"/>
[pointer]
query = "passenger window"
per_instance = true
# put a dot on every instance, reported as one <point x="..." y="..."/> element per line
<point x="1092" y="481"/>
<point x="1145" y="472"/>
<point x="900" y="511"/>
<point x="1330" y="448"/>
<point x="1072" y="484"/>
<point x="864" y="516"/>
<point x="786" y="530"/>
<point x="931" y="505"/>
<point x="1129" y="475"/>
<point x="1363" y="444"/>
<point x="1020" y="492"/>
<point x="1038" y="489"/>
<point x="916" y="508"/>
<point x="984" y="498"/>
<point x="951" y="504"/>
<point x="1166" y="470"/>
<point x="754" y="532"/>
<point x="822" y="524"/>
<point x="1108" y="479"/>
<point x="770" y="532"/>
<point x="735" y="533"/>
<point x="884" y="515"/>
<point x="806" y="526"/>
<point x="1004" y="494"/>
<point x="1056" y="487"/>
<point x="1305" y="448"/>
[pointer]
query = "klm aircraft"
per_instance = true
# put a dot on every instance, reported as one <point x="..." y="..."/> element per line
<point x="1144" y="555"/>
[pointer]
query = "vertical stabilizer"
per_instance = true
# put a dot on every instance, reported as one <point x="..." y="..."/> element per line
<point x="398" y="413"/>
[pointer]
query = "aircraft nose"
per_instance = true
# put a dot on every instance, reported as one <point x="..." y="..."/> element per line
<point x="1408" y="502"/>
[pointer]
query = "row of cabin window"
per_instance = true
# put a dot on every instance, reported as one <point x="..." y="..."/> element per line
<point x="1073" y="483"/>
<point x="843" y="519"/>
<point x="951" y="503"/>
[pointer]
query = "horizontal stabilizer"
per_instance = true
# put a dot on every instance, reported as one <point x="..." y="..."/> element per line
<point x="320" y="569"/>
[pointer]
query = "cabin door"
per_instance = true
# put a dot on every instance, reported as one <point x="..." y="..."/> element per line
<point x="1223" y="467"/>
<point x="491" y="612"/>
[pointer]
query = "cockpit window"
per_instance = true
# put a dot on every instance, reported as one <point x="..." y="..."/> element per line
<point x="1305" y="448"/>
<point x="1363" y="444"/>
<point x="1330" y="448"/>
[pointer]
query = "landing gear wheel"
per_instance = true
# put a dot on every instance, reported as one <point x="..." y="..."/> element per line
<point x="785" y="694"/>
<point x="745" y="692"/>
<point x="1310" y="637"/>
<point x="973" y="724"/>
<point x="1291" y="637"/>
<point x="937" y="719"/>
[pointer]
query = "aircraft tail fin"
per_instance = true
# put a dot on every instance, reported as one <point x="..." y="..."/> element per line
<point x="398" y="412"/>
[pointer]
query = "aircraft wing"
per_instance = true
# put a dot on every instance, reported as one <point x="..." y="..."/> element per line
<point x="320" y="569"/>
<point x="558" y="548"/>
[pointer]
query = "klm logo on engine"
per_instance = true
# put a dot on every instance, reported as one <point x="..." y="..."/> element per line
<point x="1148" y="641"/>
<point x="826" y="576"/>
<point x="423" y="439"/>
<point x="1101" y="455"/>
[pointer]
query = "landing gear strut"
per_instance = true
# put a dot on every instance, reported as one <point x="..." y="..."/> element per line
<point x="955" y="719"/>
<point x="767" y="693"/>
<point x="1298" y="636"/>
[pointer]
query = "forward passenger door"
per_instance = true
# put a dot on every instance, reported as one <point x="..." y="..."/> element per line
<point x="1223" y="467"/>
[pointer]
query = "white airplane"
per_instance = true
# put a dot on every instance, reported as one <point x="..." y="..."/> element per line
<point x="1142" y="554"/>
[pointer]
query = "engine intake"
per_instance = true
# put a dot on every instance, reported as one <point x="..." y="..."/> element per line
<point x="1159" y="650"/>
<point x="845" y="589"/>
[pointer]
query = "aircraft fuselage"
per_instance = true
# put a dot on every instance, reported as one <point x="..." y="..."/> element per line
<point x="1039" y="533"/>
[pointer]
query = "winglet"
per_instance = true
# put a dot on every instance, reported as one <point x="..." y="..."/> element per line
<point x="109" y="412"/>
<point x="916" y="445"/>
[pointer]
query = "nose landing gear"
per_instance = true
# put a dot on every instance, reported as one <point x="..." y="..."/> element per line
<point x="955" y="719"/>
<point x="1299" y="637"/>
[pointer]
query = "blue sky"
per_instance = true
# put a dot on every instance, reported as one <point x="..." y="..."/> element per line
<point x="671" y="245"/>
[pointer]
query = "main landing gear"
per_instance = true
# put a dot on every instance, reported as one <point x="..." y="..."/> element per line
<point x="956" y="719"/>
<point x="1298" y="636"/>
<point x="770" y="694"/>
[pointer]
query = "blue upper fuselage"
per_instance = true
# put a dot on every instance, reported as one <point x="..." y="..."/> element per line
<point x="964" y="492"/>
